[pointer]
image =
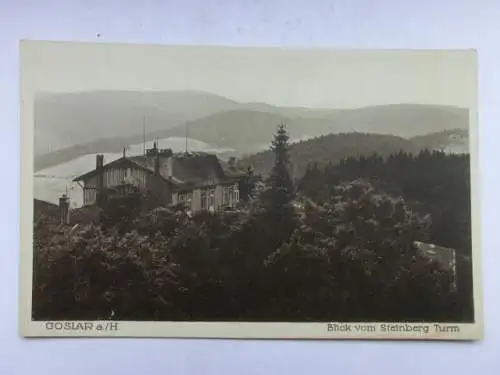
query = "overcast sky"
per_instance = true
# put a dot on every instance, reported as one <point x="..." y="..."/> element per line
<point x="314" y="78"/>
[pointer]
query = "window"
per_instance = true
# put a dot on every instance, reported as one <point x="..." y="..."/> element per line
<point x="203" y="197"/>
<point x="236" y="193"/>
<point x="231" y="193"/>
<point x="211" y="198"/>
<point x="226" y="194"/>
<point x="185" y="197"/>
<point x="211" y="180"/>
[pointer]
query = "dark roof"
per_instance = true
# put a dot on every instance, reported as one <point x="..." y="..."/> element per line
<point x="81" y="215"/>
<point x="84" y="215"/>
<point x="196" y="167"/>
<point x="43" y="208"/>
<point x="187" y="168"/>
<point x="232" y="170"/>
<point x="122" y="160"/>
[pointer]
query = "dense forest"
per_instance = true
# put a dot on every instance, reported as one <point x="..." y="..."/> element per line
<point x="431" y="182"/>
<point x="337" y="245"/>
<point x="335" y="147"/>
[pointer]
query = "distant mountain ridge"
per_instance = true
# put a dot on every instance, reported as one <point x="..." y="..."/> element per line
<point x="452" y="141"/>
<point x="71" y="125"/>
<point x="334" y="147"/>
<point x="244" y="129"/>
<point x="70" y="119"/>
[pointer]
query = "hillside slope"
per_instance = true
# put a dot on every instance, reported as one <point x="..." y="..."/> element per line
<point x="69" y="119"/>
<point x="247" y="130"/>
<point x="331" y="148"/>
<point x="71" y="125"/>
<point x="452" y="141"/>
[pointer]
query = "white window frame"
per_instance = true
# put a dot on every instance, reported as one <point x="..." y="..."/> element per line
<point x="236" y="192"/>
<point x="211" y="197"/>
<point x="203" y="200"/>
<point x="185" y="197"/>
<point x="226" y="195"/>
<point x="211" y="180"/>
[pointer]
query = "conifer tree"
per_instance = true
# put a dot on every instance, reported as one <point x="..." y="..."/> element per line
<point x="281" y="190"/>
<point x="247" y="185"/>
<point x="279" y="215"/>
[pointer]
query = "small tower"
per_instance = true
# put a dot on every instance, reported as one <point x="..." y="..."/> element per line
<point x="64" y="209"/>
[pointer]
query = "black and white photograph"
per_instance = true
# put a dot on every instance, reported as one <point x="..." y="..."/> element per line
<point x="249" y="192"/>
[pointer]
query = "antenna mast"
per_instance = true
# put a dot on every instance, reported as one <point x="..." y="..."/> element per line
<point x="144" y="135"/>
<point x="186" y="137"/>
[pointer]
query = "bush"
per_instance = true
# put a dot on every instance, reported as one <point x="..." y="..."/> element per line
<point x="104" y="276"/>
<point x="355" y="259"/>
<point x="341" y="251"/>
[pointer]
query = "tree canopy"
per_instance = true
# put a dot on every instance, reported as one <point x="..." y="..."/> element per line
<point x="340" y="246"/>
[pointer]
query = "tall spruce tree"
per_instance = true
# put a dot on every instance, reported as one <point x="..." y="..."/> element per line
<point x="281" y="190"/>
<point x="278" y="216"/>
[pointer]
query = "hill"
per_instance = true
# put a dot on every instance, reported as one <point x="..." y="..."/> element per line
<point x="72" y="121"/>
<point x="250" y="130"/>
<point x="331" y="148"/>
<point x="452" y="141"/>
<point x="69" y="119"/>
<point x="71" y="125"/>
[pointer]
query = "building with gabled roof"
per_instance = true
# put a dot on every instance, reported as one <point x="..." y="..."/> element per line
<point x="200" y="180"/>
<point x="62" y="214"/>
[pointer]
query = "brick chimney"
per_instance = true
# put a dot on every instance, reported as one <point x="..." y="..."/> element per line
<point x="157" y="163"/>
<point x="99" y="164"/>
<point x="64" y="209"/>
<point x="170" y="166"/>
<point x="99" y="161"/>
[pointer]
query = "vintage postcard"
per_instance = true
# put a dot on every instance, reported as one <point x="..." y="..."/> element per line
<point x="230" y="192"/>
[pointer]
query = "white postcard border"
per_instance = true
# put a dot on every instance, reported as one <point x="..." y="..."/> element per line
<point x="29" y="328"/>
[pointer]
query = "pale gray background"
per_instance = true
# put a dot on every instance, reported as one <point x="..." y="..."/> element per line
<point x="347" y="23"/>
